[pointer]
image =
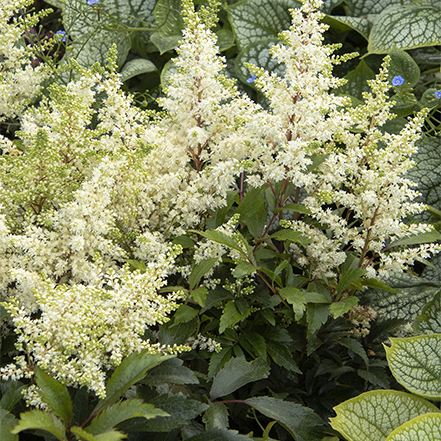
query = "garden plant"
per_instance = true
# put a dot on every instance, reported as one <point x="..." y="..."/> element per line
<point x="219" y="221"/>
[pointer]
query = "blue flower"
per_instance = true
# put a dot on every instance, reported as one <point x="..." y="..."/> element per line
<point x="92" y="2"/>
<point x="438" y="95"/>
<point x="398" y="80"/>
<point x="251" y="80"/>
<point x="61" y="35"/>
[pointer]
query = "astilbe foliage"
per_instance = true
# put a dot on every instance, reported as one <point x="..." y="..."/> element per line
<point x="124" y="183"/>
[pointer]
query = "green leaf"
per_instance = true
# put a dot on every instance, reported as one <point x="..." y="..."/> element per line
<point x="415" y="292"/>
<point x="39" y="419"/>
<point x="170" y="371"/>
<point x="348" y="277"/>
<point x="254" y="20"/>
<point x="231" y="315"/>
<point x="343" y="306"/>
<point x="293" y="236"/>
<point x="199" y="295"/>
<point x="297" y="208"/>
<point x="7" y="423"/>
<point x="200" y="270"/>
<point x="132" y="370"/>
<point x="301" y="422"/>
<point x="122" y="411"/>
<point x="219" y="435"/>
<point x="165" y="42"/>
<point x="362" y="25"/>
<point x="216" y="416"/>
<point x="180" y="409"/>
<point x="251" y="203"/>
<point x="357" y="81"/>
<point x="55" y="395"/>
<point x="168" y="16"/>
<point x="372" y="416"/>
<point x="136" y="67"/>
<point x="3" y="312"/>
<point x="426" y="173"/>
<point x="431" y="236"/>
<point x="243" y="268"/>
<point x="401" y="63"/>
<point x="81" y="434"/>
<point x="12" y="395"/>
<point x="219" y="237"/>
<point x="296" y="298"/>
<point x="184" y="314"/>
<point x="236" y="373"/>
<point x="225" y="39"/>
<point x="416" y="364"/>
<point x="355" y="346"/>
<point x="110" y="435"/>
<point x="425" y="427"/>
<point x="282" y="356"/>
<point x="257" y="342"/>
<point x="406" y="27"/>
<point x="429" y="321"/>
<point x="316" y="314"/>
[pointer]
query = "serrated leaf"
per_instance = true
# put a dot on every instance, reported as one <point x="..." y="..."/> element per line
<point x="132" y="369"/>
<point x="316" y="315"/>
<point x="343" y="306"/>
<point x="219" y="237"/>
<point x="243" y="268"/>
<point x="293" y="236"/>
<point x="429" y="237"/>
<point x="254" y="20"/>
<point x="216" y="416"/>
<point x="38" y="419"/>
<point x="122" y="411"/>
<point x="200" y="270"/>
<point x="349" y="277"/>
<point x="406" y="27"/>
<point x="55" y="395"/>
<point x="257" y="342"/>
<point x="355" y="346"/>
<point x="180" y="409"/>
<point x="282" y="356"/>
<point x="372" y="416"/>
<point x="416" y="364"/>
<point x="7" y="423"/>
<point x="429" y="321"/>
<point x="199" y="295"/>
<point x="236" y="373"/>
<point x="171" y="371"/>
<point x="296" y="298"/>
<point x="231" y="315"/>
<point x="301" y="422"/>
<point x="136" y="67"/>
<point x="81" y="434"/>
<point x="427" y="427"/>
<point x="184" y="314"/>
<point x="219" y="435"/>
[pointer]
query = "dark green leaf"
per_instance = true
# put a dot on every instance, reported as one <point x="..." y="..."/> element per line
<point x="219" y="435"/>
<point x="355" y="346"/>
<point x="343" y="306"/>
<point x="184" y="314"/>
<point x="231" y="316"/>
<point x="180" y="409"/>
<point x="402" y="64"/>
<point x="257" y="342"/>
<point x="236" y="373"/>
<point x="200" y="270"/>
<point x="55" y="395"/>
<point x="243" y="268"/>
<point x="282" y="356"/>
<point x="316" y="314"/>
<point x="170" y="371"/>
<point x="216" y="416"/>
<point x="199" y="295"/>
<point x="136" y="67"/>
<point x="122" y="411"/>
<point x="293" y="236"/>
<point x="132" y="369"/>
<point x="429" y="321"/>
<point x="296" y="298"/>
<point x="39" y="419"/>
<point x="301" y="422"/>
<point x="357" y="81"/>
<point x="11" y="395"/>
<point x="7" y="423"/>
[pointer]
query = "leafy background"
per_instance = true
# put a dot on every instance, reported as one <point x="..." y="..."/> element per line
<point x="267" y="377"/>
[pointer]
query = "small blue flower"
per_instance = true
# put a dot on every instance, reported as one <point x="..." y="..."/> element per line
<point x="251" y="80"/>
<point x="92" y="2"/>
<point x="438" y="95"/>
<point x="61" y="35"/>
<point x="398" y="80"/>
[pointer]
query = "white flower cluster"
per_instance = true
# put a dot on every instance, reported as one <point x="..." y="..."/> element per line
<point x="19" y="79"/>
<point x="84" y="330"/>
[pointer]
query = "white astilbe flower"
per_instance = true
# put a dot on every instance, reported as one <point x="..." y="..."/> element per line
<point x="19" y="79"/>
<point x="86" y="329"/>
